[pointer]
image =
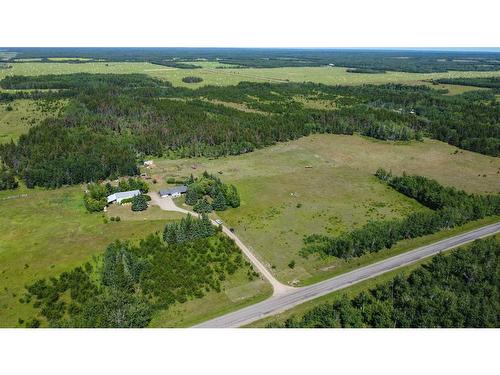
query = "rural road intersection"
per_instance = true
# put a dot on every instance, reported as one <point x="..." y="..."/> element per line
<point x="286" y="297"/>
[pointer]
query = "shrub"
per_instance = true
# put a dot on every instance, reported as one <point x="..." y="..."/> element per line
<point x="202" y="206"/>
<point x="7" y="179"/>
<point x="139" y="203"/>
<point x="192" y="79"/>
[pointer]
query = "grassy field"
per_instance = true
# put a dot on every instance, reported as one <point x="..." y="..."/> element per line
<point x="228" y="76"/>
<point x="237" y="293"/>
<point x="17" y="117"/>
<point x="325" y="184"/>
<point x="46" y="232"/>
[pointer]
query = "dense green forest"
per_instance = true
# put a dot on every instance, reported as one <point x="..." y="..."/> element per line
<point x="112" y="121"/>
<point x="449" y="208"/>
<point x="128" y="283"/>
<point x="422" y="61"/>
<point x="487" y="82"/>
<point x="456" y="290"/>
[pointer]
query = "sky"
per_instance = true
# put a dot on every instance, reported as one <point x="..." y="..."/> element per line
<point x="255" y="23"/>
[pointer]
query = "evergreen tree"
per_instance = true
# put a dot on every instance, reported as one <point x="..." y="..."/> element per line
<point x="232" y="196"/>
<point x="202" y="206"/>
<point x="219" y="202"/>
<point x="192" y="196"/>
<point x="139" y="203"/>
<point x="7" y="179"/>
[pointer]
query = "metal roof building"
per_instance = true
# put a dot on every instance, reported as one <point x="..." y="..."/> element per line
<point x="174" y="192"/>
<point x="118" y="197"/>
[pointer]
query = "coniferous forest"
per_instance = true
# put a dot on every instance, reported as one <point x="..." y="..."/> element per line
<point x="129" y="282"/>
<point x="456" y="290"/>
<point x="111" y="121"/>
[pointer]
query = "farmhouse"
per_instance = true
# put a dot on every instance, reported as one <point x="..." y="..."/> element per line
<point x="118" y="197"/>
<point x="174" y="192"/>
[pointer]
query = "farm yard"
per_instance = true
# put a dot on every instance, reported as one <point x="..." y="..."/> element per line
<point x="46" y="232"/>
<point x="325" y="184"/>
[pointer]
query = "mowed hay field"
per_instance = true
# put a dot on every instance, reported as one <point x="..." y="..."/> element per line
<point x="325" y="184"/>
<point x="227" y="76"/>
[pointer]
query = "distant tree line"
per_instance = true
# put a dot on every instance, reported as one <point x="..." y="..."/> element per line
<point x="460" y="290"/>
<point x="364" y="70"/>
<point x="449" y="208"/>
<point x="175" y="64"/>
<point x="486" y="82"/>
<point x="129" y="283"/>
<point x="406" y="61"/>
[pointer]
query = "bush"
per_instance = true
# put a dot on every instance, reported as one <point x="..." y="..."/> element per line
<point x="33" y="323"/>
<point x="7" y="179"/>
<point x="139" y="203"/>
<point x="202" y="206"/>
<point x="192" y="79"/>
<point x="94" y="205"/>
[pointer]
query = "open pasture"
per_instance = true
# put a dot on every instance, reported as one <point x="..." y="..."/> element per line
<point x="232" y="76"/>
<point x="325" y="184"/>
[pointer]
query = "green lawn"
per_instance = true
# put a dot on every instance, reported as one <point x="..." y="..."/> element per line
<point x="325" y="184"/>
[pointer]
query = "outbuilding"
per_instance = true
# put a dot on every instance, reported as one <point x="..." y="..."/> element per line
<point x="118" y="197"/>
<point x="173" y="192"/>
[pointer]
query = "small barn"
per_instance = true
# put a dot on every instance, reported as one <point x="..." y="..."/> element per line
<point x="173" y="192"/>
<point x="118" y="197"/>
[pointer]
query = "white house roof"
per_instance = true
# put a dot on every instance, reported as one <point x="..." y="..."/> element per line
<point x="123" y="195"/>
<point x="176" y="190"/>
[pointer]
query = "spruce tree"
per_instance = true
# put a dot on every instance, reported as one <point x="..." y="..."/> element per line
<point x="139" y="203"/>
<point x="219" y="203"/>
<point x="202" y="206"/>
<point x="191" y="196"/>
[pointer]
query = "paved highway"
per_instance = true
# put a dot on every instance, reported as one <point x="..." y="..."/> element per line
<point x="284" y="301"/>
